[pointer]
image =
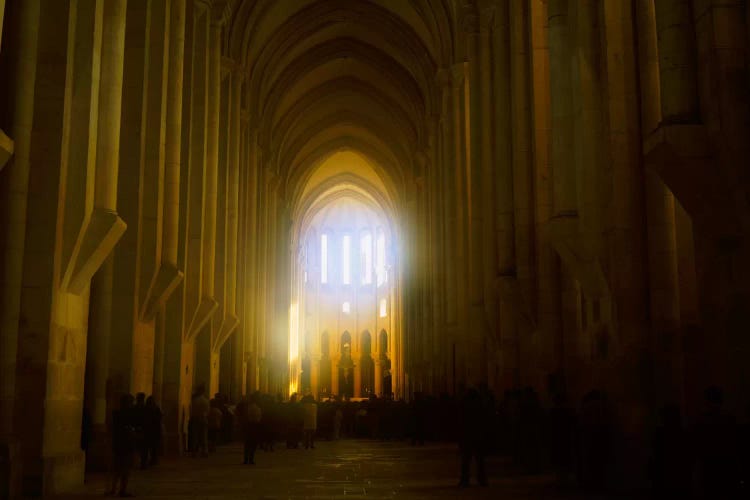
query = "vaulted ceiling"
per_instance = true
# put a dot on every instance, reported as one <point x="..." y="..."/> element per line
<point x="325" y="76"/>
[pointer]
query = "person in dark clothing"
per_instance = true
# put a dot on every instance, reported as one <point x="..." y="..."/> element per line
<point x="139" y="421"/>
<point x="418" y="419"/>
<point x="595" y="437"/>
<point x="123" y="445"/>
<point x="86" y="429"/>
<point x="716" y="453"/>
<point x="473" y="435"/>
<point x="151" y="432"/>
<point x="671" y="462"/>
<point x="252" y="417"/>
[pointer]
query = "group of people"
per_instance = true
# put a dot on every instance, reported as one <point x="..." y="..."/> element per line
<point x="576" y="443"/>
<point x="136" y="428"/>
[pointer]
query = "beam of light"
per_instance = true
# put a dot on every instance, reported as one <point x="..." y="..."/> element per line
<point x="347" y="261"/>
<point x="324" y="258"/>
<point x="293" y="346"/>
<point x="365" y="245"/>
<point x="380" y="257"/>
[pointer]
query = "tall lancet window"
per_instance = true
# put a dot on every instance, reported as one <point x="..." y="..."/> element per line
<point x="365" y="247"/>
<point x="324" y="258"/>
<point x="347" y="259"/>
<point x="380" y="258"/>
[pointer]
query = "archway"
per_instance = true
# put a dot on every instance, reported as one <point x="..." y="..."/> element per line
<point x="345" y="271"/>
<point x="366" y="366"/>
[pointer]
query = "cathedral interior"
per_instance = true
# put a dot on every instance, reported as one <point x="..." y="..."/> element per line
<point x="369" y="198"/>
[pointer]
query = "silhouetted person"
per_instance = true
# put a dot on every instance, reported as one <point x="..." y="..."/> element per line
<point x="338" y="418"/>
<point x="671" y="461"/>
<point x="530" y="430"/>
<point x="86" y="429"/>
<point x="294" y="422"/>
<point x="473" y="436"/>
<point x="310" y="425"/>
<point x="123" y="445"/>
<point x="139" y="418"/>
<point x="251" y="429"/>
<point x="215" y="417"/>
<point x="715" y="448"/>
<point x="152" y="431"/>
<point x="594" y="439"/>
<point x="561" y="431"/>
<point x="418" y="419"/>
<point x="199" y="407"/>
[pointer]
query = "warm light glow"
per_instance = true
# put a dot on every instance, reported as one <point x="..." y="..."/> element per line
<point x="346" y="308"/>
<point x="346" y="260"/>
<point x="380" y="257"/>
<point x="293" y="346"/>
<point x="365" y="246"/>
<point x="324" y="258"/>
<point x="383" y="308"/>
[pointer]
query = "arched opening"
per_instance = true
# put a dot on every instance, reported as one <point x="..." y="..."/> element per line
<point x="367" y="365"/>
<point x="324" y="387"/>
<point x="346" y="367"/>
<point x="345" y="271"/>
<point x="386" y="378"/>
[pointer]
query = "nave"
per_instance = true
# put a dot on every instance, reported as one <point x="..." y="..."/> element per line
<point x="334" y="470"/>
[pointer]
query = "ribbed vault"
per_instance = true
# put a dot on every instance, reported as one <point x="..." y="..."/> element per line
<point x="327" y="76"/>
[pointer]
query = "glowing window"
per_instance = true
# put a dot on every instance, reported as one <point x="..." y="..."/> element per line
<point x="365" y="246"/>
<point x="383" y="308"/>
<point x="305" y="276"/>
<point x="324" y="258"/>
<point x="380" y="258"/>
<point x="346" y="308"/>
<point x="346" y="260"/>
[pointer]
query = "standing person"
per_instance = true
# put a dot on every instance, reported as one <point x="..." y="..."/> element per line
<point x="473" y="436"/>
<point x="139" y="422"/>
<point x="252" y="429"/>
<point x="152" y="430"/>
<point x="123" y="445"/>
<point x="199" y="422"/>
<point x="338" y="417"/>
<point x="310" y="423"/>
<point x="214" y="424"/>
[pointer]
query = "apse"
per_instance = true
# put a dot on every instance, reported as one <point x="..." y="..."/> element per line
<point x="345" y="275"/>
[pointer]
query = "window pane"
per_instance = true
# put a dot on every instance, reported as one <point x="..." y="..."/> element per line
<point x="347" y="272"/>
<point x="383" y="308"/>
<point x="346" y="308"/>
<point x="324" y="258"/>
<point x="366" y="259"/>
<point x="380" y="257"/>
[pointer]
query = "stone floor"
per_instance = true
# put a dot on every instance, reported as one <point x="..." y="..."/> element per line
<point x="334" y="470"/>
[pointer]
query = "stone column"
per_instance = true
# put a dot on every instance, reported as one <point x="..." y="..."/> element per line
<point x="478" y="325"/>
<point x="547" y="282"/>
<point x="169" y="276"/>
<point x="565" y="197"/>
<point x="379" y="376"/>
<point x="211" y="197"/>
<point x="108" y="146"/>
<point x="677" y="73"/>
<point x="660" y="213"/>
<point x="13" y="200"/>
<point x="489" y="165"/>
<point x="97" y="364"/>
<point x="231" y="321"/>
<point x="505" y="158"/>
